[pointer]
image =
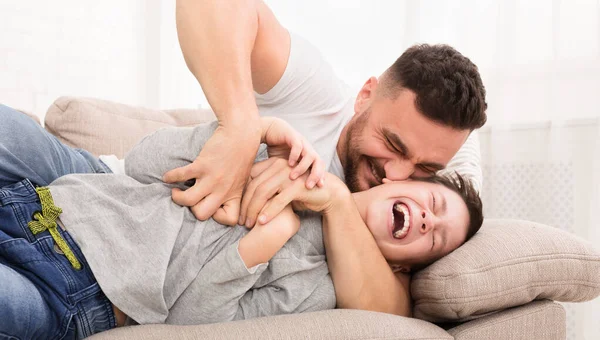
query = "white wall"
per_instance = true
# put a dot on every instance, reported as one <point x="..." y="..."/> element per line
<point x="81" y="48"/>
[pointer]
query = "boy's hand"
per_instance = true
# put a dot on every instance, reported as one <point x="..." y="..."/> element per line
<point x="285" y="142"/>
<point x="270" y="190"/>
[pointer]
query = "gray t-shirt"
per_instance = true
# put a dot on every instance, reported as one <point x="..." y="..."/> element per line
<point x="158" y="264"/>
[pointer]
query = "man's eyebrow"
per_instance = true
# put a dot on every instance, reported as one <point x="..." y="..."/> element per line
<point x="397" y="142"/>
<point x="433" y="166"/>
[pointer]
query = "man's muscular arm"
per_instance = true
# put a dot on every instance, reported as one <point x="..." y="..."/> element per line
<point x="229" y="46"/>
<point x="362" y="277"/>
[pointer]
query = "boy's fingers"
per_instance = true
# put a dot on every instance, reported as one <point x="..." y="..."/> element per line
<point x="275" y="206"/>
<point x="259" y="167"/>
<point x="261" y="196"/>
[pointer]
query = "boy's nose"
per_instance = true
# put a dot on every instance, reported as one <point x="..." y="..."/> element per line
<point x="426" y="222"/>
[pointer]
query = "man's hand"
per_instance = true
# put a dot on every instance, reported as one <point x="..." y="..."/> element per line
<point x="220" y="170"/>
<point x="285" y="142"/>
<point x="270" y="190"/>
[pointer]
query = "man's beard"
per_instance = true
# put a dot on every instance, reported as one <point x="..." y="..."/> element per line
<point x="353" y="156"/>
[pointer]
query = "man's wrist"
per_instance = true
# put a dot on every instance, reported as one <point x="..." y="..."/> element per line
<point x="241" y="117"/>
<point x="247" y="131"/>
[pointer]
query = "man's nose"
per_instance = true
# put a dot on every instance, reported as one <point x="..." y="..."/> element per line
<point x="398" y="169"/>
<point x="426" y="222"/>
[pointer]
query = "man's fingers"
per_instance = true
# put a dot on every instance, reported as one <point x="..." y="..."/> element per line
<point x="180" y="174"/>
<point x="207" y="207"/>
<point x="295" y="151"/>
<point x="228" y="213"/>
<point x="316" y="174"/>
<point x="191" y="196"/>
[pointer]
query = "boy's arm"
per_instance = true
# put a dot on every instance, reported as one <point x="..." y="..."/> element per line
<point x="216" y="293"/>
<point x="264" y="241"/>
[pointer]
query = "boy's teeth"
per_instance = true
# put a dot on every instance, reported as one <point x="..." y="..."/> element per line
<point x="404" y="210"/>
<point x="400" y="233"/>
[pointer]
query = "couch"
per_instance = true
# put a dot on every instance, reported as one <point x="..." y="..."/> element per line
<point x="504" y="283"/>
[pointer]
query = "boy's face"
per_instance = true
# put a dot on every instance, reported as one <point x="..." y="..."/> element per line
<point x="414" y="222"/>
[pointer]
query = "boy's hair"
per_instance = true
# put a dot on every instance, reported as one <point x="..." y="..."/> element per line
<point x="465" y="189"/>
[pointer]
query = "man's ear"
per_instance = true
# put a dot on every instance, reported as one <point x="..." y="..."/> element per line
<point x="366" y="95"/>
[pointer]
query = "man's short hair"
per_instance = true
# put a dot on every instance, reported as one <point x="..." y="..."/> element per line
<point x="447" y="85"/>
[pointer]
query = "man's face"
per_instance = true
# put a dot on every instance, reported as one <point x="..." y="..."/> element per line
<point x="414" y="222"/>
<point x="389" y="138"/>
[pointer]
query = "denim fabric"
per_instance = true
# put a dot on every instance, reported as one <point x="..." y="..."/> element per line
<point x="41" y="295"/>
<point x="29" y="151"/>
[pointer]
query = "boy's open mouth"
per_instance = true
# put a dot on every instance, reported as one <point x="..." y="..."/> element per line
<point x="401" y="220"/>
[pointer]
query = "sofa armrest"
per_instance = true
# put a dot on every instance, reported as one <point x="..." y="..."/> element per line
<point x="330" y="324"/>
<point x="542" y="319"/>
<point x="106" y="128"/>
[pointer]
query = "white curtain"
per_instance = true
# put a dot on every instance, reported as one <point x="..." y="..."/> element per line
<point x="540" y="62"/>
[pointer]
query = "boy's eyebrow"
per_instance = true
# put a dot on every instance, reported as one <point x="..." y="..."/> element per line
<point x="444" y="204"/>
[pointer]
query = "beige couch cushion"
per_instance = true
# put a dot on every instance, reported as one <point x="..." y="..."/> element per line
<point x="537" y="320"/>
<point x="107" y="128"/>
<point x="508" y="263"/>
<point x="331" y="324"/>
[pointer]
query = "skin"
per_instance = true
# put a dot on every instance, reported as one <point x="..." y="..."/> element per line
<point x="252" y="55"/>
<point x="390" y="137"/>
<point x="360" y="222"/>
<point x="434" y="231"/>
<point x="253" y="59"/>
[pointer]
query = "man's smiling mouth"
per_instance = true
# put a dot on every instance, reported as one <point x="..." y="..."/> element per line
<point x="378" y="178"/>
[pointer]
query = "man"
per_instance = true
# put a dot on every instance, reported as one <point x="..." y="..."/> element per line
<point x="409" y="122"/>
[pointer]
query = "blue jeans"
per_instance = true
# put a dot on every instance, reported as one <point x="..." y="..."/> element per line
<point x="41" y="295"/>
<point x="29" y="151"/>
